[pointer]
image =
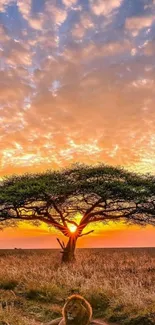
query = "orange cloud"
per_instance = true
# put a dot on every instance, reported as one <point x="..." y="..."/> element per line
<point x="76" y="85"/>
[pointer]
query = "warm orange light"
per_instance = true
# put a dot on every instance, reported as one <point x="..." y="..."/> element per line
<point x="72" y="228"/>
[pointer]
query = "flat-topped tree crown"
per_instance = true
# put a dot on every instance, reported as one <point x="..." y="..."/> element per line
<point x="97" y="193"/>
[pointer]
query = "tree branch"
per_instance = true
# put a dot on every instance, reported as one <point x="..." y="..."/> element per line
<point x="106" y="217"/>
<point x="89" y="210"/>
<point x="72" y="222"/>
<point x="86" y="233"/>
<point x="103" y="212"/>
<point x="62" y="245"/>
<point x="50" y="221"/>
<point x="59" y="212"/>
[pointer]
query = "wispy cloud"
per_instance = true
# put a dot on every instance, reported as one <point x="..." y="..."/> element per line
<point x="136" y="24"/>
<point x="100" y="7"/>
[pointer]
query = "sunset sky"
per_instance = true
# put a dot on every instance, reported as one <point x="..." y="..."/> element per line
<point x="77" y="80"/>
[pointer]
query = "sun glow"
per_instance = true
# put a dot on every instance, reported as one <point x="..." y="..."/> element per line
<point x="72" y="228"/>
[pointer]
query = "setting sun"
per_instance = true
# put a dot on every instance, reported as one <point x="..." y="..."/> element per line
<point x="72" y="228"/>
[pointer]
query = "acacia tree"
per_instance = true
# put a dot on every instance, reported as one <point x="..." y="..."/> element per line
<point x="98" y="193"/>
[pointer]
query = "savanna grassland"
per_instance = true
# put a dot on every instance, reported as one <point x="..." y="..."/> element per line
<point x="119" y="284"/>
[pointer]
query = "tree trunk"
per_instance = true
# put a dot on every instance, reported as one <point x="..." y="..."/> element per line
<point x="68" y="254"/>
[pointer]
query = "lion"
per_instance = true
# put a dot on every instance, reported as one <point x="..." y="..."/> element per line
<point x="76" y="311"/>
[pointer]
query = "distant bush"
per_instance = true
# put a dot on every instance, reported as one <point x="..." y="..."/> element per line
<point x="8" y="284"/>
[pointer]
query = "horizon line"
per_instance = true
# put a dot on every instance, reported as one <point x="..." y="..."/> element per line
<point x="47" y="248"/>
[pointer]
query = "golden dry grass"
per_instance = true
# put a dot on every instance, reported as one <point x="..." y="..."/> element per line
<point x="119" y="283"/>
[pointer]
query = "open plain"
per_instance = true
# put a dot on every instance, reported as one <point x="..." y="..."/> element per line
<point x="119" y="284"/>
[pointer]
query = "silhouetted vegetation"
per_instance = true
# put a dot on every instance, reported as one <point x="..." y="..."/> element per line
<point x="98" y="193"/>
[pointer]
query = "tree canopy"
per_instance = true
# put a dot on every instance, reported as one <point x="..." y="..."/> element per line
<point x="98" y="193"/>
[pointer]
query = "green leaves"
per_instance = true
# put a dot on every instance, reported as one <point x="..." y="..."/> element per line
<point x="105" y="181"/>
<point x="73" y="190"/>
